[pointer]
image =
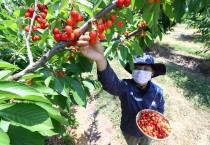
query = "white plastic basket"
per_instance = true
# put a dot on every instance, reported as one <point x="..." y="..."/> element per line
<point x="158" y="139"/>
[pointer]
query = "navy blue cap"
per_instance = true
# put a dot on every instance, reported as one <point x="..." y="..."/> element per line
<point x="147" y="59"/>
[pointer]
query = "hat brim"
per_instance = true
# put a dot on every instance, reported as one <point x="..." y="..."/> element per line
<point x="159" y="68"/>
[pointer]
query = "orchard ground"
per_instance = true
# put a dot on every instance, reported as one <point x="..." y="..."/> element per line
<point x="186" y="90"/>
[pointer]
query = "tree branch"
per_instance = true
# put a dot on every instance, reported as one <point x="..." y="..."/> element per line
<point x="60" y="45"/>
<point x="135" y="32"/>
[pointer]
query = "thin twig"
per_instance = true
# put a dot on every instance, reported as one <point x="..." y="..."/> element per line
<point x="30" y="56"/>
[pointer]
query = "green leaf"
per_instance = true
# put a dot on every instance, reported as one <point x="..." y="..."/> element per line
<point x="123" y="51"/>
<point x="168" y="10"/>
<point x="4" y="138"/>
<point x="127" y="14"/>
<point x="113" y="47"/>
<point x="29" y="2"/>
<point x="12" y="89"/>
<point x="155" y="18"/>
<point x="4" y="95"/>
<point x="130" y="60"/>
<point x="61" y="86"/>
<point x="19" y="12"/>
<point x="75" y="68"/>
<point x="21" y="136"/>
<point x="46" y="125"/>
<point x="4" y="74"/>
<point x="44" y="36"/>
<point x="7" y="16"/>
<point x="179" y="9"/>
<point x="53" y="113"/>
<point x="47" y="1"/>
<point x="45" y="90"/>
<point x="48" y="133"/>
<point x="77" y="91"/>
<point x="148" y="41"/>
<point x="138" y="50"/>
<point x="149" y="35"/>
<point x="31" y="75"/>
<point x="109" y="33"/>
<point x="138" y="4"/>
<point x="48" y="80"/>
<point x="89" y="85"/>
<point x="4" y="64"/>
<point x="24" y="113"/>
<point x="63" y="6"/>
<point x="148" y="14"/>
<point x="96" y="5"/>
<point x="85" y="8"/>
<point x="4" y="125"/>
<point x="85" y="63"/>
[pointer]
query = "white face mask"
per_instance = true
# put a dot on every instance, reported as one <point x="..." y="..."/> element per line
<point x="141" y="76"/>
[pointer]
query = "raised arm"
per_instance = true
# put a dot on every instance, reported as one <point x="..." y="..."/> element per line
<point x="106" y="75"/>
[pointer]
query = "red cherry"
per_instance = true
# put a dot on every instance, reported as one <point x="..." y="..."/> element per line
<point x="126" y="33"/>
<point x="68" y="29"/>
<point x="56" y="31"/>
<point x="40" y="6"/>
<point x="93" y="34"/>
<point x="27" y="28"/>
<point x="34" y="28"/>
<point x="113" y="17"/>
<point x="127" y="3"/>
<point x="70" y="22"/>
<point x="61" y="74"/>
<point x="151" y="1"/>
<point x="109" y="23"/>
<point x="71" y="36"/>
<point x="120" y="3"/>
<point x="43" y="15"/>
<point x="39" y="20"/>
<point x="119" y="23"/>
<point x="44" y="11"/>
<point x="64" y="36"/>
<point x="69" y="57"/>
<point x="100" y="28"/>
<point x="80" y="18"/>
<point x="36" y="38"/>
<point x="93" y="41"/>
<point x="144" y="24"/>
<point x="44" y="25"/>
<point x="102" y="36"/>
<point x="74" y="15"/>
<point x="27" y="15"/>
<point x="57" y="37"/>
<point x="30" y="10"/>
<point x="44" y="21"/>
<point x="76" y="32"/>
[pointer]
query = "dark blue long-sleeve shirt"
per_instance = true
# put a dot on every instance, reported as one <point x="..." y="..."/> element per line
<point x="132" y="98"/>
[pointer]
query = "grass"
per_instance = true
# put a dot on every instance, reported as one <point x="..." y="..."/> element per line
<point x="195" y="88"/>
<point x="182" y="39"/>
<point x="186" y="47"/>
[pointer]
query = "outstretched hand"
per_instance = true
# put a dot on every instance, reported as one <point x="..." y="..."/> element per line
<point x="92" y="51"/>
